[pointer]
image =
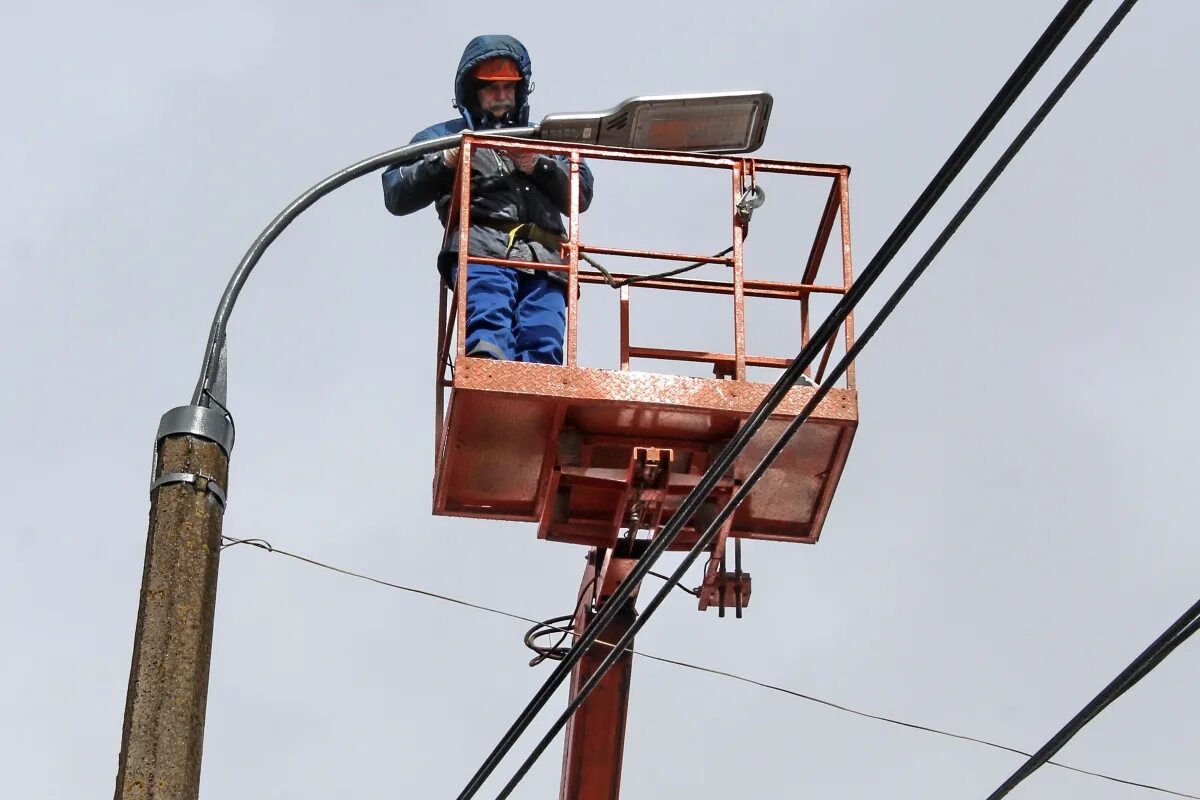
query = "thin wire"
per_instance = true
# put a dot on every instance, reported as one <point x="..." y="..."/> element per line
<point x="262" y="544"/>
<point x="547" y="627"/>
<point x="224" y="410"/>
<point x="911" y="725"/>
<point x="632" y="279"/>
<point x="677" y="584"/>
<point x="752" y="198"/>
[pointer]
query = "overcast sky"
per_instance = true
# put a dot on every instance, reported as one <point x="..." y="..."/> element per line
<point x="1015" y="523"/>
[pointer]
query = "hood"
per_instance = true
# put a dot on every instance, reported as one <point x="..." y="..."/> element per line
<point x="480" y="49"/>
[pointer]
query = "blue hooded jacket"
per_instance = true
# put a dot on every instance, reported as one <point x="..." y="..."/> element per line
<point x="500" y="193"/>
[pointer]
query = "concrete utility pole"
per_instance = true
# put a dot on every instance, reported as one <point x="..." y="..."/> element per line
<point x="163" y="734"/>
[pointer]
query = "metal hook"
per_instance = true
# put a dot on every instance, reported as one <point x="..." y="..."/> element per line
<point x="752" y="197"/>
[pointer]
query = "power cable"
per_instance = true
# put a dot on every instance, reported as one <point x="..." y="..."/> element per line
<point x="1171" y="638"/>
<point x="974" y="138"/>
<point x="894" y="300"/>
<point x="890" y="306"/>
<point x="262" y="544"/>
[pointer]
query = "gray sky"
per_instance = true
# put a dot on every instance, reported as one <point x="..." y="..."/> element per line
<point x="1012" y="528"/>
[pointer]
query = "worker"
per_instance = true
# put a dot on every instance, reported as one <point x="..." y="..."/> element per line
<point x="517" y="203"/>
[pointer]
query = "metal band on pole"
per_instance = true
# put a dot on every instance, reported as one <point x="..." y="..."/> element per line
<point x="201" y="482"/>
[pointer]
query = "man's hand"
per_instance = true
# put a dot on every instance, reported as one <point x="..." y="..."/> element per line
<point x="525" y="161"/>
<point x="450" y="157"/>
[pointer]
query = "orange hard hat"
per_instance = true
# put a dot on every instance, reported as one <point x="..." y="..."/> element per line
<point x="497" y="69"/>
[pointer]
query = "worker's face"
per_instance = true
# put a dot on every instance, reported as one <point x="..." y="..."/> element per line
<point x="497" y="98"/>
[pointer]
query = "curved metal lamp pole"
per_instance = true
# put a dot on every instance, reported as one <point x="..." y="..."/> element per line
<point x="163" y="729"/>
<point x="216" y="336"/>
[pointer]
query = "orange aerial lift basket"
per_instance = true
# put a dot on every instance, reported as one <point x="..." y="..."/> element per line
<point x="585" y="452"/>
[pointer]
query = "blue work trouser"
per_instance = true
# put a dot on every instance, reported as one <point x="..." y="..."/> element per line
<point x="514" y="315"/>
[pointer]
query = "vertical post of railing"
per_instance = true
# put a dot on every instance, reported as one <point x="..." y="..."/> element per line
<point x="573" y="266"/>
<point x="739" y="289"/>
<point x="443" y="343"/>
<point x="804" y="318"/>
<point x="466" y="152"/>
<point x="847" y="265"/>
<point x="624" y="328"/>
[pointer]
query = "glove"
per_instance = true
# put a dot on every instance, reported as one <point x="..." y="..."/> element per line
<point x="525" y="161"/>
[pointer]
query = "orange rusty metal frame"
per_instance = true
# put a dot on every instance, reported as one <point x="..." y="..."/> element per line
<point x="588" y="452"/>
<point x="594" y="745"/>
<point x="743" y="173"/>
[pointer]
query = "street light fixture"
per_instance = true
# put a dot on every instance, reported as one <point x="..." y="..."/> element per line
<point x="728" y="122"/>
